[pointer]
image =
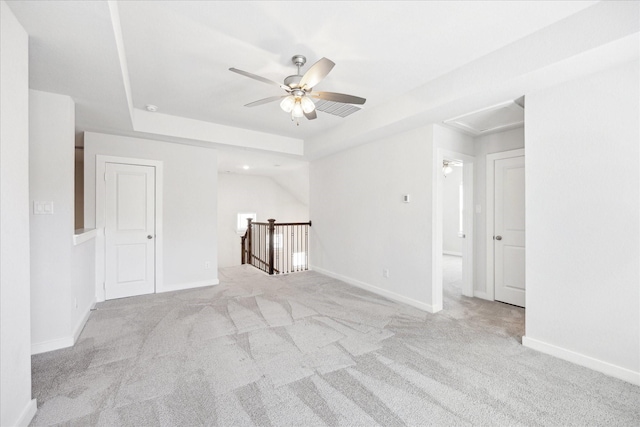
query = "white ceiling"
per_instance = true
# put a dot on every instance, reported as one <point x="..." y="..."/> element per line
<point x="113" y="58"/>
<point x="179" y="53"/>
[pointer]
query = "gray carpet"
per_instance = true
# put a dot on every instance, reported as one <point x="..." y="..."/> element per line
<point x="308" y="350"/>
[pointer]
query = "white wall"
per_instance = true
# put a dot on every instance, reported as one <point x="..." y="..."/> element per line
<point x="583" y="237"/>
<point x="16" y="405"/>
<point x="51" y="179"/>
<point x="295" y="182"/>
<point x="249" y="193"/>
<point x="83" y="291"/>
<point x="189" y="208"/>
<point x="452" y="140"/>
<point x="484" y="145"/>
<point x="451" y="243"/>
<point x="62" y="275"/>
<point x="360" y="224"/>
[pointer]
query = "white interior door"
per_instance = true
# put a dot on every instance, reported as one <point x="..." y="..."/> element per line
<point x="509" y="230"/>
<point x="129" y="230"/>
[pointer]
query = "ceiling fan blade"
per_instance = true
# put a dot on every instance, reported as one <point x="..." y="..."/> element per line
<point x="259" y="78"/>
<point x="338" y="97"/>
<point x="312" y="115"/>
<point x="265" y="101"/>
<point x="316" y="73"/>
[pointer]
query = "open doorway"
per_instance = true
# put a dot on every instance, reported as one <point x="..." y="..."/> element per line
<point x="453" y="230"/>
<point x="463" y="218"/>
<point x="453" y="227"/>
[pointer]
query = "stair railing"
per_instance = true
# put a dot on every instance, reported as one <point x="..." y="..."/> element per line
<point x="276" y="248"/>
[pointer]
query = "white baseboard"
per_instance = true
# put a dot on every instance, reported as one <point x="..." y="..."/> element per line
<point x="27" y="414"/>
<point x="583" y="360"/>
<point x="452" y="253"/>
<point x="64" y="342"/>
<point x="435" y="308"/>
<point x="51" y="345"/>
<point x="190" y="285"/>
<point x="83" y="321"/>
<point x="382" y="292"/>
<point x="482" y="295"/>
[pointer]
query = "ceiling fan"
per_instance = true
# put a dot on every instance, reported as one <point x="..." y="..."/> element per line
<point x="447" y="166"/>
<point x="300" y="94"/>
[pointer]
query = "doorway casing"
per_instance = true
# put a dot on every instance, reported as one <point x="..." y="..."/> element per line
<point x="491" y="158"/>
<point x="101" y="192"/>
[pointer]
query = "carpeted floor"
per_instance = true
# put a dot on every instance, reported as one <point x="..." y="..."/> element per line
<point x="308" y="350"/>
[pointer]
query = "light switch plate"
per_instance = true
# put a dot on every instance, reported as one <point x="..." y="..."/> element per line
<point x="42" y="208"/>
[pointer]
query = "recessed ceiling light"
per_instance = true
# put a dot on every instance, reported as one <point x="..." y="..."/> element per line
<point x="245" y="167"/>
<point x="152" y="108"/>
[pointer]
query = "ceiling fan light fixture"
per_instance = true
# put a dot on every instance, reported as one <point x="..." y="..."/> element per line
<point x="307" y="104"/>
<point x="298" y="100"/>
<point x="288" y="103"/>
<point x="297" y="110"/>
<point x="446" y="168"/>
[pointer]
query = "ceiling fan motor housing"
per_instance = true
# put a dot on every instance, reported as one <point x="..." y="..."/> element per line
<point x="299" y="60"/>
<point x="298" y="100"/>
<point x="293" y="81"/>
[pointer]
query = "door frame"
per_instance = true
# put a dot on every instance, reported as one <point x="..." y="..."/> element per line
<point x="101" y="194"/>
<point x="467" y="250"/>
<point x="490" y="197"/>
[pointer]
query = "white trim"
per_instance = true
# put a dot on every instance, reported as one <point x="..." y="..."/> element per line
<point x="437" y="225"/>
<point x="83" y="321"/>
<point x="122" y="55"/>
<point x="189" y="285"/>
<point x="468" y="219"/>
<point x="378" y="291"/>
<point x="51" y="345"/>
<point x="27" y="414"/>
<point x="490" y="192"/>
<point x="84" y="235"/>
<point x="452" y="253"/>
<point x="606" y="368"/>
<point x="101" y="191"/>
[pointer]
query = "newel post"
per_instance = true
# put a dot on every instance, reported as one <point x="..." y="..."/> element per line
<point x="249" y="250"/>
<point x="272" y="230"/>
<point x="243" y="240"/>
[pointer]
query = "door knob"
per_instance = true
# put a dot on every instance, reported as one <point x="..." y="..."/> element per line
<point x="498" y="237"/>
<point x="149" y="236"/>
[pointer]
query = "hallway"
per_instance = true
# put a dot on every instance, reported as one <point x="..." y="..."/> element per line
<point x="477" y="312"/>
